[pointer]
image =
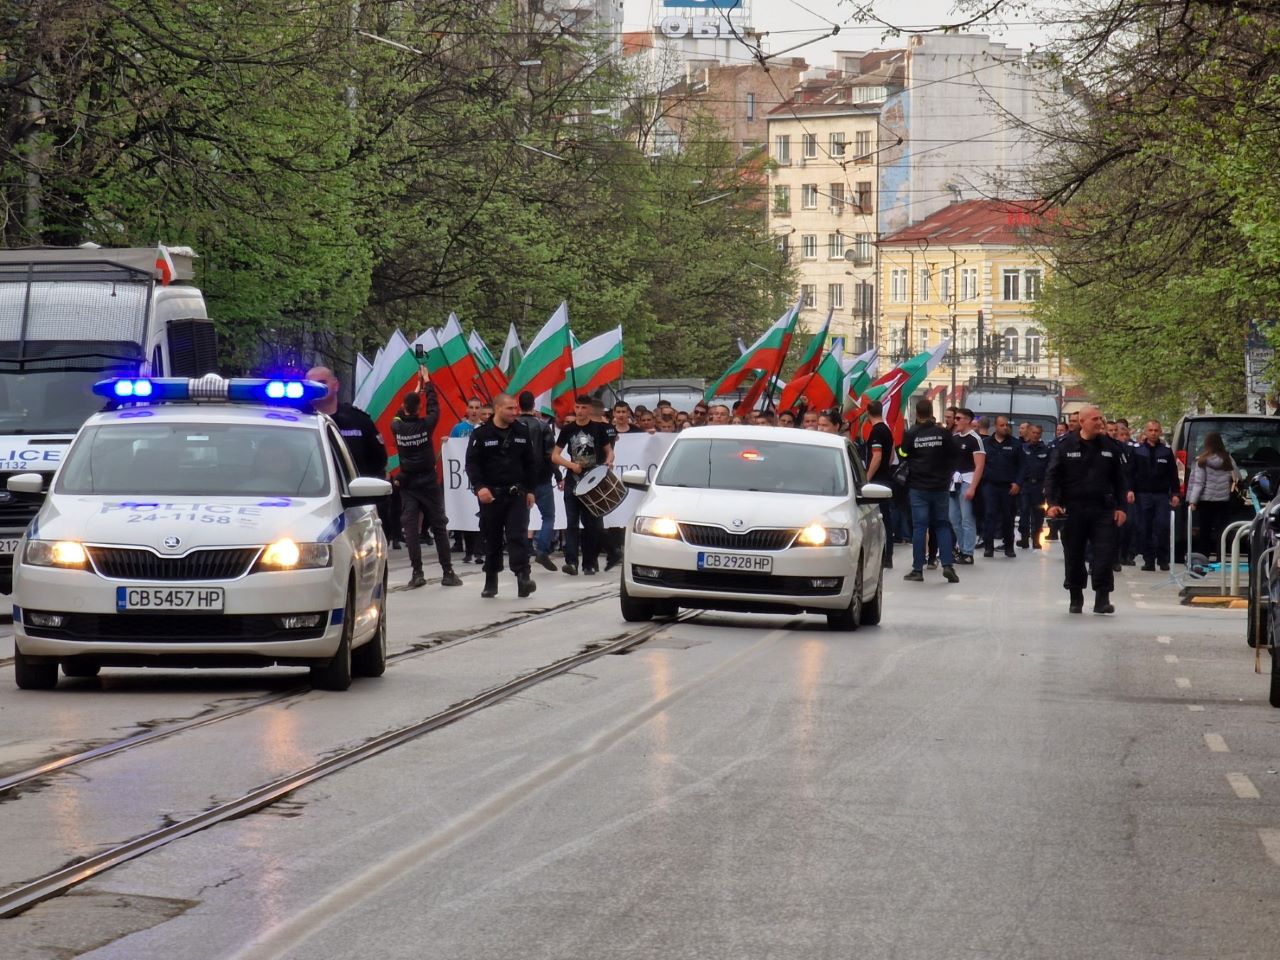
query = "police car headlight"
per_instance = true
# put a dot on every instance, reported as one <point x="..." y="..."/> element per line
<point x="287" y="555"/>
<point x="816" y="535"/>
<point x="657" y="527"/>
<point x="55" y="553"/>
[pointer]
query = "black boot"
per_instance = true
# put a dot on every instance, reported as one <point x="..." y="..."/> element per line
<point x="490" y="585"/>
<point x="1077" y="602"/>
<point x="525" y="584"/>
<point x="1102" y="602"/>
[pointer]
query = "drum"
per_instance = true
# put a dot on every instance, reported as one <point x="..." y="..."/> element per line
<point x="599" y="490"/>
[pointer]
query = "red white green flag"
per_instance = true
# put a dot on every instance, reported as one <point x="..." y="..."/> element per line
<point x="395" y="375"/>
<point x="547" y="359"/>
<point x="821" y="388"/>
<point x="765" y="354"/>
<point x="512" y="352"/>
<point x="491" y="381"/>
<point x="809" y="361"/>
<point x="595" y="363"/>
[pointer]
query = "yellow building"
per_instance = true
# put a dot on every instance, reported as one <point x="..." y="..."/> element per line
<point x="967" y="273"/>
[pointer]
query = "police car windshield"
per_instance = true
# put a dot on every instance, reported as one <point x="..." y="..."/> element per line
<point x="47" y="401"/>
<point x="195" y="459"/>
<point x="766" y="466"/>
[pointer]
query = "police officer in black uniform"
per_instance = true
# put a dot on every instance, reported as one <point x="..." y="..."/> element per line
<point x="1086" y="486"/>
<point x="358" y="430"/>
<point x="1035" y="461"/>
<point x="503" y="473"/>
<point x="1155" y="485"/>
<point x="420" y="492"/>
<point x="1000" y="487"/>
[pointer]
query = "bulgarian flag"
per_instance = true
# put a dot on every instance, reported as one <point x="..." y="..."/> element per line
<point x="595" y="363"/>
<point x="164" y="265"/>
<point x="548" y="357"/>
<point x="394" y="376"/>
<point x="463" y="368"/>
<point x="859" y="373"/>
<point x="490" y="379"/>
<point x="512" y="352"/>
<point x="451" y="396"/>
<point x="821" y="388"/>
<point x="765" y="354"/>
<point x="895" y="388"/>
<point x="808" y="365"/>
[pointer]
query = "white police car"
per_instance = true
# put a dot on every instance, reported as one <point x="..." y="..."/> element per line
<point x="203" y="522"/>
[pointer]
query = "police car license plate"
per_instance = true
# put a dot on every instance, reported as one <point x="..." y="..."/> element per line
<point x="735" y="562"/>
<point x="202" y="599"/>
<point x="8" y="545"/>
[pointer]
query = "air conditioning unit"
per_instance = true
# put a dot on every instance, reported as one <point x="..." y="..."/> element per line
<point x="837" y="208"/>
<point x="850" y="255"/>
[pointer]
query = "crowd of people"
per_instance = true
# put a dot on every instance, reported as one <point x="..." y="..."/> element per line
<point x="966" y="484"/>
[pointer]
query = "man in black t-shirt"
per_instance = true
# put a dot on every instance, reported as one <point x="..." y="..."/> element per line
<point x="583" y="444"/>
<point x="880" y="459"/>
<point x="970" y="462"/>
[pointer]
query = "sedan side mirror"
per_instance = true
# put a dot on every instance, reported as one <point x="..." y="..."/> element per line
<point x="363" y="491"/>
<point x="875" y="491"/>
<point x="636" y="479"/>
<point x="26" y="483"/>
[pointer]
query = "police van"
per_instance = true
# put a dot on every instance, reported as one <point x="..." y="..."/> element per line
<point x="204" y="522"/>
<point x="69" y="317"/>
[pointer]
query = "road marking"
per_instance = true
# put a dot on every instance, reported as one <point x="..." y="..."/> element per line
<point x="1195" y="708"/>
<point x="1164" y="639"/>
<point x="1138" y="596"/>
<point x="1215" y="743"/>
<point x="1271" y="843"/>
<point x="1182" y="682"/>
<point x="1243" y="786"/>
<point x="1170" y="658"/>
<point x="1145" y="606"/>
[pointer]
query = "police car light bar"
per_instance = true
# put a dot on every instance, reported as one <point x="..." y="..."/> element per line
<point x="210" y="387"/>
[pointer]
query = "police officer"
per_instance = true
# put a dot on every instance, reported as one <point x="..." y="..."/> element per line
<point x="1000" y="487"/>
<point x="359" y="432"/>
<point x="1155" y="488"/>
<point x="1085" y="485"/>
<point x="420" y="492"/>
<point x="1035" y="461"/>
<point x="503" y="474"/>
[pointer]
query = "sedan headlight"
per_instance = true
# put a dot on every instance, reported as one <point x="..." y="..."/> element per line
<point x="55" y="553"/>
<point x="287" y="555"/>
<point x="816" y="535"/>
<point x="657" y="527"/>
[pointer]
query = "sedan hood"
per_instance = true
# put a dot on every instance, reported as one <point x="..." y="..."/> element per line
<point x="725" y="508"/>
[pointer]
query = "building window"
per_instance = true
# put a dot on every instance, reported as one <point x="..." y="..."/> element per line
<point x="962" y="340"/>
<point x="809" y="245"/>
<point x="809" y="196"/>
<point x="835" y="246"/>
<point x="782" y="148"/>
<point x="784" y="247"/>
<point x="946" y="288"/>
<point x="862" y="145"/>
<point x="969" y="283"/>
<point x="1011" y="344"/>
<point x="836" y="196"/>
<point x="809" y="295"/>
<point x="810" y="146"/>
<point x="1033" y="345"/>
<point x="895" y="341"/>
<point x="1011" y="284"/>
<point x="781" y="199"/>
<point x="864" y="196"/>
<point x="835" y="295"/>
<point x="837" y="145"/>
<point x="922" y="288"/>
<point x="1031" y="285"/>
<point x="751" y="106"/>
<point x="924" y="338"/>
<point x="864" y="299"/>
<point x="862" y="247"/>
<point x="898" y="286"/>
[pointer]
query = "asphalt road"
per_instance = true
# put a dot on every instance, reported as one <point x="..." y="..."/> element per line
<point x="981" y="776"/>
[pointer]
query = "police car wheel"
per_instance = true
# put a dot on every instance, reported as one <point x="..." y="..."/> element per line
<point x="30" y="675"/>
<point x="871" y="608"/>
<point x="635" y="610"/>
<point x="851" y="616"/>
<point x="370" y="660"/>
<point x="335" y="674"/>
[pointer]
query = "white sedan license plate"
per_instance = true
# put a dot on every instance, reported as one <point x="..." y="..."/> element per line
<point x="201" y="599"/>
<point x="735" y="562"/>
<point x="8" y="545"/>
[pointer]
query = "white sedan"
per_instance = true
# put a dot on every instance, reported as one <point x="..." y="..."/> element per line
<point x="768" y="519"/>
<point x="202" y="533"/>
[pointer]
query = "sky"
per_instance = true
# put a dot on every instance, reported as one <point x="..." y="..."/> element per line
<point x="791" y="22"/>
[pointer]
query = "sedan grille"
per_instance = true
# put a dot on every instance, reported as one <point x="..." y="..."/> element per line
<point x="175" y="628"/>
<point x="718" y="538"/>
<point x="718" y="581"/>
<point x="120" y="563"/>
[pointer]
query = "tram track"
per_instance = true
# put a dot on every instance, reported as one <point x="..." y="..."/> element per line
<point x="58" y="882"/>
<point x="431" y="643"/>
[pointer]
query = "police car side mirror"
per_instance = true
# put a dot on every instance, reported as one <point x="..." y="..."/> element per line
<point x="875" y="491"/>
<point x="31" y="484"/>
<point x="635" y="479"/>
<point x="365" y="491"/>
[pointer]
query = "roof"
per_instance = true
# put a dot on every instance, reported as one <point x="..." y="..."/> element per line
<point x="741" y="431"/>
<point x="996" y="222"/>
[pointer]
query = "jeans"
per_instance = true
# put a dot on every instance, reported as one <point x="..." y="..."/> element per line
<point x="962" y="520"/>
<point x="545" y="500"/>
<point x="929" y="512"/>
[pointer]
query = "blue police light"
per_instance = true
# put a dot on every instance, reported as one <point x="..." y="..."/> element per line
<point x="275" y="390"/>
<point x="294" y="391"/>
<point x="145" y="389"/>
<point x="286" y="392"/>
<point x="210" y="387"/>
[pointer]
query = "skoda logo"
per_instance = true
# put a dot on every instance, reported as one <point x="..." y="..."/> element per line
<point x="5" y="496"/>
<point x="172" y="543"/>
<point x="737" y="524"/>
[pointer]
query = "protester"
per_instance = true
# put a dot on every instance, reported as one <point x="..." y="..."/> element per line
<point x="420" y="492"/>
<point x="582" y="445"/>
<point x="970" y="462"/>
<point x="698" y="416"/>
<point x="1213" y="474"/>
<point x="1155" y="487"/>
<point x="502" y="471"/>
<point x="647" y="422"/>
<point x="828" y="422"/>
<point x="542" y="438"/>
<point x="930" y="453"/>
<point x="810" y="420"/>
<point x="718" y="414"/>
<point x="1085" y="485"/>
<point x="880" y="461"/>
<point x="787" y="418"/>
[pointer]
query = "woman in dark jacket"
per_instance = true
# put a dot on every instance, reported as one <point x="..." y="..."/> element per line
<point x="1209" y="492"/>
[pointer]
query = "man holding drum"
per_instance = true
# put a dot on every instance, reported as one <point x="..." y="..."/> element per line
<point x="583" y="444"/>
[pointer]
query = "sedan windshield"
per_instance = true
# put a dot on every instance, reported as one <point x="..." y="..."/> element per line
<point x="195" y="459"/>
<point x="767" y="466"/>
